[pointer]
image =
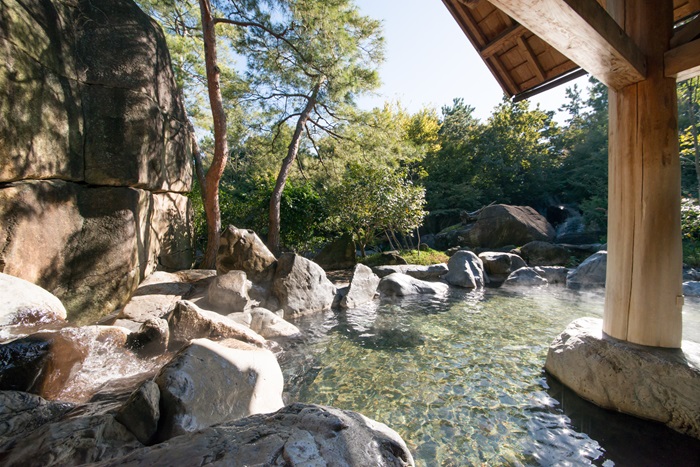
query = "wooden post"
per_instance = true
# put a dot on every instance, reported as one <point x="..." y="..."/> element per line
<point x="644" y="273"/>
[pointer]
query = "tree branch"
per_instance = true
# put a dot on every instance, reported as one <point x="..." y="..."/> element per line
<point x="278" y="126"/>
<point x="318" y="152"/>
<point x="253" y="24"/>
<point x="327" y="130"/>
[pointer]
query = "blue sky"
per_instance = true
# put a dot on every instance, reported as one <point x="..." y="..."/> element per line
<point x="429" y="61"/>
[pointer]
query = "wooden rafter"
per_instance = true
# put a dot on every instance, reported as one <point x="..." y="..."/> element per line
<point x="584" y="32"/>
<point x="469" y="25"/>
<point x="507" y="83"/>
<point x="497" y="44"/>
<point x="686" y="33"/>
<point x="532" y="58"/>
<point x="684" y="8"/>
<point x="462" y="14"/>
<point x="683" y="62"/>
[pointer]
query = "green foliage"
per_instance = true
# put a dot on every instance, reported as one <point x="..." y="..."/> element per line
<point x="423" y="258"/>
<point x="450" y="168"/>
<point x="691" y="253"/>
<point x="518" y="155"/>
<point x="370" y="200"/>
<point x="595" y="212"/>
<point x="199" y="220"/>
<point x="293" y="46"/>
<point x="319" y="185"/>
<point x="181" y="22"/>
<point x="509" y="159"/>
<point x="690" y="219"/>
<point x="584" y="171"/>
<point x="383" y="137"/>
<point x="689" y="127"/>
<point x="690" y="228"/>
<point x="303" y="212"/>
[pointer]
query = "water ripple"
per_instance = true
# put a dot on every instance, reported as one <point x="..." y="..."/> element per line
<point x="460" y="377"/>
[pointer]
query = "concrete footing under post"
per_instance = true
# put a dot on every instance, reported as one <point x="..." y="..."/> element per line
<point x="648" y="382"/>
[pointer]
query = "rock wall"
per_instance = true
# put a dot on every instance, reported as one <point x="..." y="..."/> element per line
<point x="94" y="151"/>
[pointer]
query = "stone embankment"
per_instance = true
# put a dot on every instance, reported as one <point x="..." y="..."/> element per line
<point x="192" y="355"/>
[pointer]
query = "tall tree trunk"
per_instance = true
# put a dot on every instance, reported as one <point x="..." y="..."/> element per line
<point x="216" y="170"/>
<point x="391" y="245"/>
<point x="691" y="89"/>
<point x="273" y="234"/>
<point x="418" y="237"/>
<point x="398" y="243"/>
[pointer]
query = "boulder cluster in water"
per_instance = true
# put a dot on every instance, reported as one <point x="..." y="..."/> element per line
<point x="185" y="374"/>
<point x="193" y="355"/>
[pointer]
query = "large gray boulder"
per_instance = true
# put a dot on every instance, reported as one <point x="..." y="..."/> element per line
<point x="296" y="435"/>
<point x="155" y="297"/>
<point x="21" y="413"/>
<point x="22" y="302"/>
<point x="465" y="269"/>
<point x="589" y="274"/>
<point x="363" y="287"/>
<point x="498" y="266"/>
<point x="402" y="285"/>
<point x="501" y="225"/>
<point x="188" y="321"/>
<point x="208" y="383"/>
<point x="432" y="272"/>
<point x="539" y="253"/>
<point x="95" y="167"/>
<point x="553" y="274"/>
<point x="266" y="323"/>
<point x="228" y="293"/>
<point x="83" y="436"/>
<point x="691" y="288"/>
<point x="652" y="383"/>
<point x="526" y="277"/>
<point x="141" y="412"/>
<point x="242" y="250"/>
<point x="151" y="339"/>
<point x="301" y="286"/>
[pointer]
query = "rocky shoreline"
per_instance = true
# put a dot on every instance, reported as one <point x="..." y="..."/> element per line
<point x="194" y="358"/>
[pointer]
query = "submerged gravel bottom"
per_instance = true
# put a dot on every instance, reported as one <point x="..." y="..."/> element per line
<point x="461" y="379"/>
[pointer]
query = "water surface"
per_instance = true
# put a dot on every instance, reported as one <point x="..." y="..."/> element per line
<point x="461" y="379"/>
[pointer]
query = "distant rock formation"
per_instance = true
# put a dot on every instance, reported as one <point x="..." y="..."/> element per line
<point x="497" y="226"/>
<point x="94" y="152"/>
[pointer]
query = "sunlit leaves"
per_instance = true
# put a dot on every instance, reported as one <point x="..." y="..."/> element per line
<point x="291" y="45"/>
<point x="370" y="200"/>
<point x="508" y="159"/>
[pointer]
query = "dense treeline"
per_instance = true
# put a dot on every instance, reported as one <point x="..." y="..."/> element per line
<point x="451" y="160"/>
<point x="378" y="173"/>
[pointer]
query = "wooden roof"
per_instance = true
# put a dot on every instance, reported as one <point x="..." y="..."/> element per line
<point x="522" y="63"/>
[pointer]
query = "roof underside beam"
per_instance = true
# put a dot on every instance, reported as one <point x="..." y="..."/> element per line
<point x="683" y="62"/>
<point x="583" y="32"/>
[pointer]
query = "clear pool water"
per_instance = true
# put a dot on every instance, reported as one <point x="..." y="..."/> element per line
<point x="461" y="379"/>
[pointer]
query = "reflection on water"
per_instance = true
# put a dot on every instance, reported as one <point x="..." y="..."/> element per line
<point x="461" y="379"/>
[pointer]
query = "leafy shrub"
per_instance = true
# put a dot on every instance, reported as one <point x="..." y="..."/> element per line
<point x="690" y="228"/>
<point x="691" y="253"/>
<point x="423" y="258"/>
<point x="690" y="219"/>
